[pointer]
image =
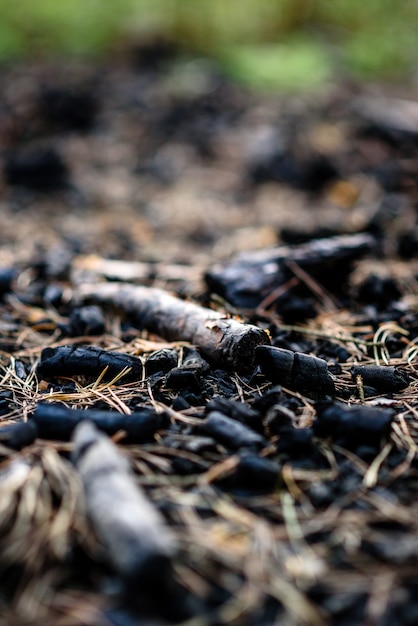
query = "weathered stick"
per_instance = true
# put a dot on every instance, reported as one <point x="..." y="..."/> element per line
<point x="225" y="340"/>
<point x="251" y="276"/>
<point x="137" y="543"/>
<point x="86" y="268"/>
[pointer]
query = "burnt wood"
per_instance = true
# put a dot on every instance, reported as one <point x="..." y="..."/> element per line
<point x="225" y="340"/>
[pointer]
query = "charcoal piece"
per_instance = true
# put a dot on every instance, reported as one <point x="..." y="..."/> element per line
<point x="18" y="435"/>
<point x="279" y="418"/>
<point x="269" y="398"/>
<point x="53" y="294"/>
<point x="238" y="411"/>
<point x="87" y="320"/>
<point x="7" y="276"/>
<point x="230" y="433"/>
<point x="297" y="442"/>
<point x="181" y="378"/>
<point x="408" y="244"/>
<point x="55" y="421"/>
<point x="311" y="173"/>
<point x="252" y="475"/>
<point x="256" y="473"/>
<point x="88" y="361"/>
<point x="66" y="108"/>
<point x="180" y="403"/>
<point x="136" y="541"/>
<point x="20" y="370"/>
<point x="193" y="360"/>
<point x="377" y="290"/>
<point x="38" y="169"/>
<point x="383" y="378"/>
<point x="160" y="362"/>
<point x="251" y="276"/>
<point x="295" y="309"/>
<point x="199" y="445"/>
<point x="296" y="371"/>
<point x="353" y="426"/>
<point x="223" y="339"/>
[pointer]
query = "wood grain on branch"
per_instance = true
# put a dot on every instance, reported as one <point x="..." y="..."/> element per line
<point x="225" y="340"/>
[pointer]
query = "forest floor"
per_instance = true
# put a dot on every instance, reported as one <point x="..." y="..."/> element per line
<point x="174" y="177"/>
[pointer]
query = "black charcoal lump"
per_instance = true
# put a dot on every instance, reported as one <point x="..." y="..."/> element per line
<point x="384" y="378"/>
<point x="356" y="425"/>
<point x="18" y="435"/>
<point x="90" y="361"/>
<point x="55" y="421"/>
<point x="232" y="434"/>
<point x="297" y="371"/>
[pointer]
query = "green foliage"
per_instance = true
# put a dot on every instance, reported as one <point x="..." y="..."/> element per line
<point x="297" y="63"/>
<point x="268" y="43"/>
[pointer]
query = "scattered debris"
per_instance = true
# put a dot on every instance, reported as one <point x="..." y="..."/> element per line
<point x="225" y="345"/>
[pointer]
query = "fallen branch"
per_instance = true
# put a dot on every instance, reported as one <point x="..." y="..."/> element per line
<point x="89" y="268"/>
<point x="225" y="340"/>
<point x="136" y="541"/>
<point x="250" y="277"/>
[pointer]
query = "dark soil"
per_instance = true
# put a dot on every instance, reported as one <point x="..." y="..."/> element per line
<point x="287" y="482"/>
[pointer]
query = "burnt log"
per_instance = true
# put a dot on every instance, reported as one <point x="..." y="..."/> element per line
<point x="251" y="276"/>
<point x="225" y="340"/>
<point x="137" y="543"/>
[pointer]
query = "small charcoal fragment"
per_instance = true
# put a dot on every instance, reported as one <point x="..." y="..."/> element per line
<point x="238" y="411"/>
<point x="65" y="108"/>
<point x="87" y="320"/>
<point x="296" y="442"/>
<point x="193" y="360"/>
<point x="252" y="475"/>
<point x="377" y="290"/>
<point x="230" y="433"/>
<point x="181" y="378"/>
<point x="309" y="174"/>
<point x="160" y="362"/>
<point x="388" y="379"/>
<point x="353" y="426"/>
<point x="408" y="244"/>
<point x="279" y="418"/>
<point x="18" y="435"/>
<point x="39" y="170"/>
<point x="55" y="421"/>
<point x="299" y="372"/>
<point x="20" y="370"/>
<point x="7" y="276"/>
<point x="268" y="399"/>
<point x="88" y="361"/>
<point x="137" y="543"/>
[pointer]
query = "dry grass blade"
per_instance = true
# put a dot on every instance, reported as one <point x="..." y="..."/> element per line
<point x="43" y="499"/>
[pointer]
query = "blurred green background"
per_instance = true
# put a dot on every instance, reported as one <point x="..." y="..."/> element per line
<point x="267" y="43"/>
